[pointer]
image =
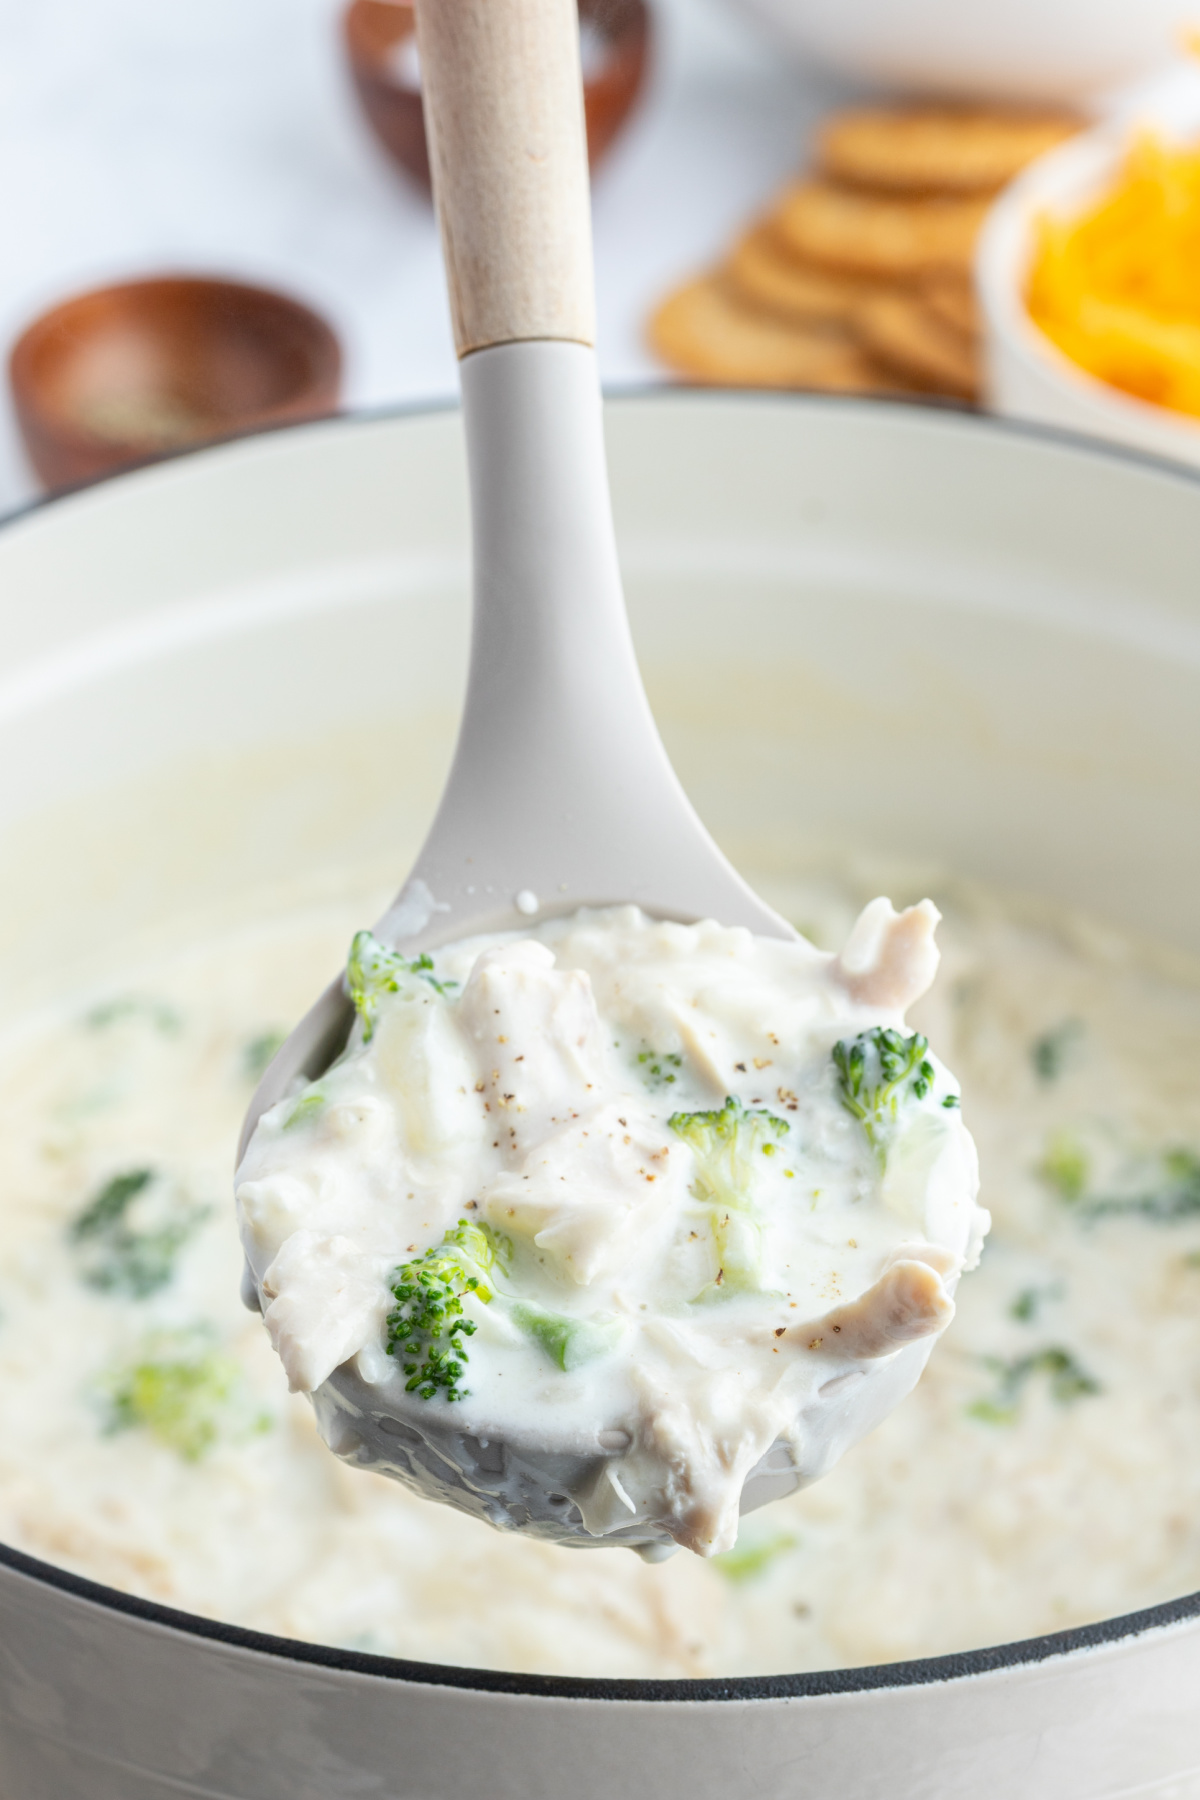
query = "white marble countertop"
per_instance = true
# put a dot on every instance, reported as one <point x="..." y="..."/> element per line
<point x="138" y="137"/>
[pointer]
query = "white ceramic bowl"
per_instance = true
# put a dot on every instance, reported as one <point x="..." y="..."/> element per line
<point x="1026" y="375"/>
<point x="222" y="674"/>
<point x="1058" y="50"/>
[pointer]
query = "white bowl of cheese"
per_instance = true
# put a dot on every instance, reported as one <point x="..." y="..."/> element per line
<point x="1027" y="376"/>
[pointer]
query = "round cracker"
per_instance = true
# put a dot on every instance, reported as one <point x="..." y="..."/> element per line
<point x="936" y="149"/>
<point x="854" y="233"/>
<point x="951" y="299"/>
<point x="901" y="333"/>
<point x="763" y="273"/>
<point x="706" y="332"/>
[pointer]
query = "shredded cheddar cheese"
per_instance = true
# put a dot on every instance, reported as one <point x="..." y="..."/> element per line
<point x="1117" y="287"/>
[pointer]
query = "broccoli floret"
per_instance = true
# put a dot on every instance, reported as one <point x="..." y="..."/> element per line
<point x="184" y="1392"/>
<point x="1163" y="1189"/>
<point x="1175" y="1196"/>
<point x="878" y="1072"/>
<point x="489" y="1250"/>
<point x="1065" y="1167"/>
<point x="1067" y="1381"/>
<point x="107" y="1208"/>
<point x="1050" y="1053"/>
<point x="305" y="1109"/>
<point x="373" y="970"/>
<point x="260" y="1052"/>
<point x="429" y="1293"/>
<point x="1027" y="1305"/>
<point x="158" y="1013"/>
<point x="751" y="1558"/>
<point x="725" y="1143"/>
<point x="659" y="1068"/>
<point x="568" y="1342"/>
<point x="129" y="1249"/>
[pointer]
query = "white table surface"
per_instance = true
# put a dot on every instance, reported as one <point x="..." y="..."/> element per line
<point x="141" y="136"/>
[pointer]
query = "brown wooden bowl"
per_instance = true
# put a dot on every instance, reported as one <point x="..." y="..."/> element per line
<point x="375" y="32"/>
<point x="122" y="375"/>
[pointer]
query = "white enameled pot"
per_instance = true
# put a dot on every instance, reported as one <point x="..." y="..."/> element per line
<point x="862" y="625"/>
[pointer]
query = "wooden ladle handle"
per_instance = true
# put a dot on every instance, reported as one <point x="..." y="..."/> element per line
<point x="503" y="100"/>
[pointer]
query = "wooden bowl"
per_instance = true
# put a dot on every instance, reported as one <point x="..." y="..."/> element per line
<point x="377" y="33"/>
<point x="122" y="375"/>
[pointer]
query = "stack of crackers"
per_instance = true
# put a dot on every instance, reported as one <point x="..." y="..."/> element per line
<point x="859" y="279"/>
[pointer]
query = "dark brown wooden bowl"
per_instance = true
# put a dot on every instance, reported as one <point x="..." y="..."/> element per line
<point x="125" y="374"/>
<point x="375" y="31"/>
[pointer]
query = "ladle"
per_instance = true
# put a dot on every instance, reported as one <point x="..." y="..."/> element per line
<point x="560" y="794"/>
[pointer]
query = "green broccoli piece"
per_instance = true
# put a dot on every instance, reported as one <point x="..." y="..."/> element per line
<point x="1175" y="1197"/>
<point x="1164" y="1189"/>
<point x="725" y="1143"/>
<point x="746" y="1560"/>
<point x="128" y="1248"/>
<point x="567" y="1342"/>
<point x="260" y="1052"/>
<point x="1028" y="1304"/>
<point x="158" y="1013"/>
<point x="659" y="1068"/>
<point x="878" y="1072"/>
<point x="1065" y="1167"/>
<point x="482" y="1245"/>
<point x="1067" y="1381"/>
<point x="305" y="1109"/>
<point x="373" y="970"/>
<point x="108" y="1206"/>
<point x="184" y="1392"/>
<point x="428" y="1294"/>
<point x="1050" y="1053"/>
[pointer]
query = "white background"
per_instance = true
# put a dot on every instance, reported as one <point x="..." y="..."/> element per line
<point x="223" y="136"/>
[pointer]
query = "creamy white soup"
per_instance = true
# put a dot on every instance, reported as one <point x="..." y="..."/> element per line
<point x="1044" y="1472"/>
<point x="654" y="1199"/>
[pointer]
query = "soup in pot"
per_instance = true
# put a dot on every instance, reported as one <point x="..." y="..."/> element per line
<point x="1044" y="1473"/>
